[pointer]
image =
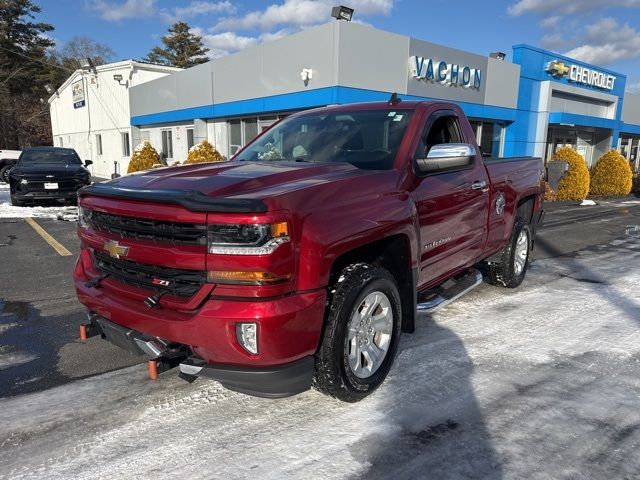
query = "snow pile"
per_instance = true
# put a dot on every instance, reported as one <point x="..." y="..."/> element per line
<point x="67" y="213"/>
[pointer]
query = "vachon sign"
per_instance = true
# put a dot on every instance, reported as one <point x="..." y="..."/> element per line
<point x="583" y="75"/>
<point x="440" y="71"/>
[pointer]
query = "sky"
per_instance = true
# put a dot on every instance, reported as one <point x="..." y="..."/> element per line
<point x="603" y="33"/>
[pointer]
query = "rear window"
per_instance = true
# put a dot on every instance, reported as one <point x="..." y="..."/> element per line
<point x="63" y="157"/>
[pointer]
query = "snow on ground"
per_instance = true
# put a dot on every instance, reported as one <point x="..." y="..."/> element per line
<point x="60" y="212"/>
<point x="541" y="382"/>
<point x="13" y="359"/>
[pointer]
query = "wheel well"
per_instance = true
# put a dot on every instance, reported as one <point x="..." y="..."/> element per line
<point x="525" y="209"/>
<point x="393" y="254"/>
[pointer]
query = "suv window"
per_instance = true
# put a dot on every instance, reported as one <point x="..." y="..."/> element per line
<point x="445" y="129"/>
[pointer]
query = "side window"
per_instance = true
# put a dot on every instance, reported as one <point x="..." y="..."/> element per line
<point x="445" y="129"/>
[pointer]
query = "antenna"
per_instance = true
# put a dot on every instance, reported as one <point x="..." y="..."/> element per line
<point x="394" y="100"/>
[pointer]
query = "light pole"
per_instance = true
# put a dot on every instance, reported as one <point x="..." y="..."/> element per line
<point x="87" y="65"/>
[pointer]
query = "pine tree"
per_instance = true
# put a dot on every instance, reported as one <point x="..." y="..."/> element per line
<point x="181" y="48"/>
<point x="23" y="68"/>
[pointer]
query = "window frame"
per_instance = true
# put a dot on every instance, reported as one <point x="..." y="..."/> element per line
<point x="99" y="144"/>
<point x="125" y="140"/>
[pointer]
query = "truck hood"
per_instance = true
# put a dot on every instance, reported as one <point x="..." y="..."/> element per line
<point x="239" y="179"/>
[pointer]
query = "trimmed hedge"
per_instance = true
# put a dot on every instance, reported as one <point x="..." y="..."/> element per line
<point x="575" y="183"/>
<point x="144" y="157"/>
<point x="612" y="175"/>
<point x="203" y="152"/>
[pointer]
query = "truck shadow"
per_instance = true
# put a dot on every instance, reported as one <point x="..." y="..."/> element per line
<point x="600" y="279"/>
<point x="438" y="428"/>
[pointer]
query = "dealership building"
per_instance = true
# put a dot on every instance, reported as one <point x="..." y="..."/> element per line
<point x="530" y="106"/>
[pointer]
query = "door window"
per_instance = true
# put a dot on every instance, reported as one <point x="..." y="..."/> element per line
<point x="444" y="129"/>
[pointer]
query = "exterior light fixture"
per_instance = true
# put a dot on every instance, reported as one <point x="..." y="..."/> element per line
<point x="342" y="13"/>
<point x="498" y="56"/>
<point x="306" y="74"/>
<point x="87" y="64"/>
<point x="118" y="78"/>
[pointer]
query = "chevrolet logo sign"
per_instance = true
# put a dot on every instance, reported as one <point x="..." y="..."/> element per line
<point x="558" y="68"/>
<point x="114" y="249"/>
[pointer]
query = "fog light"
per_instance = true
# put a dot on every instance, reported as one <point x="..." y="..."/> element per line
<point x="247" y="334"/>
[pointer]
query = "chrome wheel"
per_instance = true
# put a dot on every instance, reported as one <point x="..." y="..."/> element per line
<point x="521" y="253"/>
<point x="369" y="334"/>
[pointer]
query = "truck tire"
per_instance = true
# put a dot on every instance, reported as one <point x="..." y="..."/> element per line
<point x="510" y="270"/>
<point x="361" y="334"/>
<point x="4" y="173"/>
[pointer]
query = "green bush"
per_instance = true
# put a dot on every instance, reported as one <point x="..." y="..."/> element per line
<point x="612" y="175"/>
<point x="203" y="152"/>
<point x="144" y="157"/>
<point x="575" y="182"/>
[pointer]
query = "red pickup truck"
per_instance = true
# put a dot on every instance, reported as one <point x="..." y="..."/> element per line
<point x="301" y="261"/>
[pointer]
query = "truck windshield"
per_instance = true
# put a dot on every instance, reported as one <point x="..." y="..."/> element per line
<point x="367" y="139"/>
<point x="64" y="157"/>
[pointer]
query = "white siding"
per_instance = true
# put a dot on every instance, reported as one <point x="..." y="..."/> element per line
<point x="106" y="113"/>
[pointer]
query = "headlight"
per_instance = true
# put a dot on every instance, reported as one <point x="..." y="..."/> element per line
<point x="247" y="239"/>
<point x="84" y="217"/>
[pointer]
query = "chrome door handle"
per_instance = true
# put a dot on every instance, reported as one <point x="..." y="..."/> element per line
<point x="480" y="186"/>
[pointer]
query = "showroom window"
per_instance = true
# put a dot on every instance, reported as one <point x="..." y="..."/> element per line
<point x="242" y="131"/>
<point x="235" y="136"/>
<point x="190" y="139"/>
<point x="489" y="137"/>
<point x="167" y="144"/>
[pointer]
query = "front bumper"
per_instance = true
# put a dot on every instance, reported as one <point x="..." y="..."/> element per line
<point x="272" y="382"/>
<point x="289" y="327"/>
<point x="46" y="195"/>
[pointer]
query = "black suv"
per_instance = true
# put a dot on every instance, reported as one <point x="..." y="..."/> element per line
<point x="48" y="173"/>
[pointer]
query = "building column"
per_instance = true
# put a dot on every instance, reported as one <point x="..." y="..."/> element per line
<point x="136" y="137"/>
<point x="199" y="130"/>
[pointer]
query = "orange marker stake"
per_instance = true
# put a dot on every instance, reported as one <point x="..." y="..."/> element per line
<point x="152" y="367"/>
<point x="83" y="333"/>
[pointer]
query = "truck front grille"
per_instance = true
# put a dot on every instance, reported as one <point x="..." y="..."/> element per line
<point x="177" y="282"/>
<point x="154" y="230"/>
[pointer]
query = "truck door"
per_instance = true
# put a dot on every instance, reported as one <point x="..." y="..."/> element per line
<point x="452" y="206"/>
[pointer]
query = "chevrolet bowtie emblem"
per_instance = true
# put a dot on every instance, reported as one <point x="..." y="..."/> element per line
<point x="114" y="249"/>
<point x="558" y="68"/>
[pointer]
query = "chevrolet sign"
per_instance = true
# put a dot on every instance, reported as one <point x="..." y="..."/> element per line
<point x="582" y="75"/>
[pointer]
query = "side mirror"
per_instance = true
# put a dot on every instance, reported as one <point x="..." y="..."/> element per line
<point x="88" y="162"/>
<point x="446" y="156"/>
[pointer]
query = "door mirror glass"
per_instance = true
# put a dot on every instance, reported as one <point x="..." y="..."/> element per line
<point x="446" y="156"/>
<point x="87" y="163"/>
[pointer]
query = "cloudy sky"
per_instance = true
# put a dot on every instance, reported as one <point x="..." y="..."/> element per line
<point x="606" y="33"/>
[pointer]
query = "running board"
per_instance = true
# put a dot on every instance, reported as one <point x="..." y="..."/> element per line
<point x="449" y="291"/>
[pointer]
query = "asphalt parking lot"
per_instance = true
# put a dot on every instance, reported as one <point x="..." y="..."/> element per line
<point x="40" y="315"/>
